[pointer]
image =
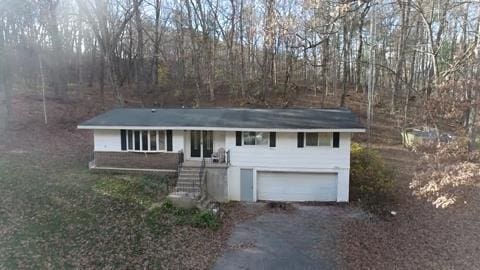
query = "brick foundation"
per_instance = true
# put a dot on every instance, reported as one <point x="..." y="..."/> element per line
<point x="135" y="160"/>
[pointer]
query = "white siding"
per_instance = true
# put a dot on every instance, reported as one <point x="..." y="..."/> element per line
<point x="106" y="140"/>
<point x="218" y="140"/>
<point x="177" y="140"/>
<point x="287" y="157"/>
<point x="287" y="154"/>
<point x="233" y="178"/>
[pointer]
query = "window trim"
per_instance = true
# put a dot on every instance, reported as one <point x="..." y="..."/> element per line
<point x="149" y="146"/>
<point x="318" y="140"/>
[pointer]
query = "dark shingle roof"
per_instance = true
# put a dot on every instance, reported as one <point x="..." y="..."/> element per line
<point x="241" y="118"/>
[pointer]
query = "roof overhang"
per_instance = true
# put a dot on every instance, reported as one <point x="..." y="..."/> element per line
<point x="349" y="130"/>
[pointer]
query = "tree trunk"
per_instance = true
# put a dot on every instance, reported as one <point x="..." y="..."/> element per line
<point x="59" y="70"/>
<point x="5" y="78"/>
<point x="42" y="77"/>
<point x="358" y="63"/>
<point x="344" y="49"/>
<point x="139" y="72"/>
<point x="156" y="44"/>
<point x="405" y="15"/>
<point x="242" y="56"/>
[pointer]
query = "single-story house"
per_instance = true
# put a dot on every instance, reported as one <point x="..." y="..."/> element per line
<point x="293" y="154"/>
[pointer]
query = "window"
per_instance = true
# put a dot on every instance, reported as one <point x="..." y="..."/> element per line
<point x="248" y="138"/>
<point x="325" y="139"/>
<point x="144" y="140"/>
<point x="318" y="139"/>
<point x="137" y="139"/>
<point x="161" y="140"/>
<point x="255" y="138"/>
<point x="130" y="140"/>
<point x="311" y="139"/>
<point x="153" y="140"/>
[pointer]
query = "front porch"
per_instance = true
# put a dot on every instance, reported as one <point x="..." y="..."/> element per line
<point x="204" y="144"/>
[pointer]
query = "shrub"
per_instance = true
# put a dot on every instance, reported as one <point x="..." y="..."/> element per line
<point x="371" y="181"/>
<point x="192" y="217"/>
<point x="205" y="219"/>
<point x="446" y="172"/>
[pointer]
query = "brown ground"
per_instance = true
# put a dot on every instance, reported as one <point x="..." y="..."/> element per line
<point x="419" y="237"/>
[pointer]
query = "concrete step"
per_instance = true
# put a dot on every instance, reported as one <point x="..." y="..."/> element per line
<point x="188" y="190"/>
<point x="188" y="175"/>
<point x="190" y="169"/>
<point x="188" y="184"/>
<point x="189" y="178"/>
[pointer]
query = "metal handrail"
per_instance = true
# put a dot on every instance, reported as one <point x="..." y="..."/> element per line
<point x="201" y="176"/>
<point x="202" y="168"/>
<point x="180" y="161"/>
<point x="227" y="157"/>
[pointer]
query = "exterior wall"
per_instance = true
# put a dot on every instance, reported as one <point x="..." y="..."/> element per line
<point x="217" y="185"/>
<point x="106" y="140"/>
<point x="177" y="140"/>
<point x="218" y="140"/>
<point x="233" y="179"/>
<point x="286" y="156"/>
<point x="135" y="160"/>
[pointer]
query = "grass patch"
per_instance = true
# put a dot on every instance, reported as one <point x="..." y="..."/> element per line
<point x="191" y="217"/>
<point x="142" y="190"/>
<point x="61" y="216"/>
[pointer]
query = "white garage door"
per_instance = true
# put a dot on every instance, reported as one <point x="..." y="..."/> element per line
<point x="286" y="186"/>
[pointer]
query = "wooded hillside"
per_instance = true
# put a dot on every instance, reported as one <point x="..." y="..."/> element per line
<point x="417" y="58"/>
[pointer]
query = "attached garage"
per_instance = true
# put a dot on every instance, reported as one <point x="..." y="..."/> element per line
<point x="295" y="186"/>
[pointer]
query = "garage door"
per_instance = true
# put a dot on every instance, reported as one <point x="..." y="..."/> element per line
<point x="285" y="186"/>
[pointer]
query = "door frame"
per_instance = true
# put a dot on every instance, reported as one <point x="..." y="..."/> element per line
<point x="202" y="141"/>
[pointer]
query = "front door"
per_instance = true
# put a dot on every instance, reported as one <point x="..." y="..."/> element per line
<point x="195" y="143"/>
<point x="207" y="143"/>
<point x="201" y="143"/>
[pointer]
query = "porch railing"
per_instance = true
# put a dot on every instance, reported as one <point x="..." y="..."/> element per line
<point x="180" y="161"/>
<point x="227" y="157"/>
<point x="201" y="177"/>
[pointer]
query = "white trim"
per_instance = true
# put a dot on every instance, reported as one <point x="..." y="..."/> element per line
<point x="299" y="170"/>
<point x="225" y="129"/>
<point x="149" y="145"/>
<point x="255" y="183"/>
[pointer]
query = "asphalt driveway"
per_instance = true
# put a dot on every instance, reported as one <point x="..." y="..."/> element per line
<point x="303" y="238"/>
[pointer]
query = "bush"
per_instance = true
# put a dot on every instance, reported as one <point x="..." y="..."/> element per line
<point x="192" y="217"/>
<point x="371" y="181"/>
<point x="445" y="173"/>
<point x="205" y="219"/>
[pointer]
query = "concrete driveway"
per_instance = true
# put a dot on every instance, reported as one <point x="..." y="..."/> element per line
<point x="304" y="238"/>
